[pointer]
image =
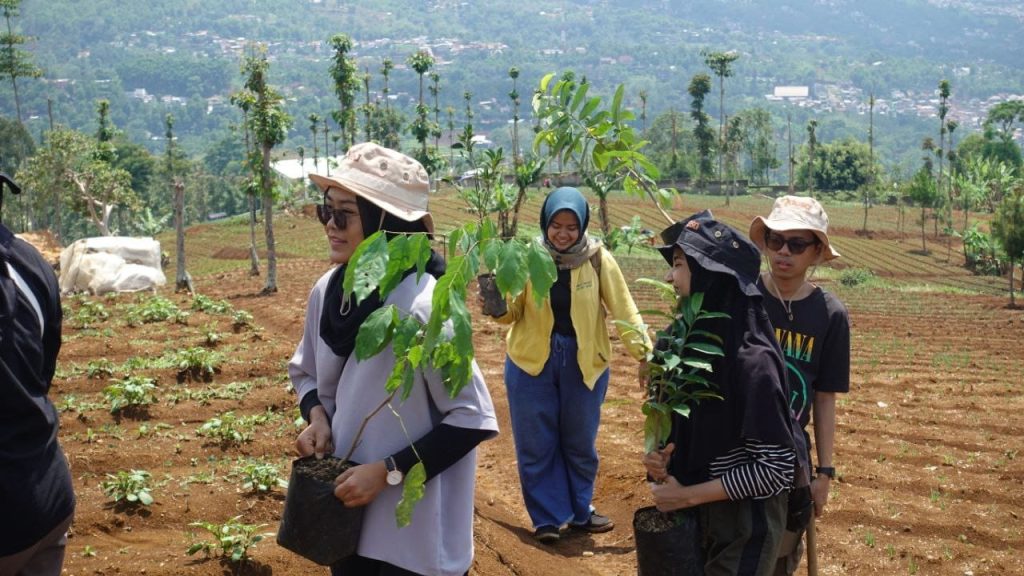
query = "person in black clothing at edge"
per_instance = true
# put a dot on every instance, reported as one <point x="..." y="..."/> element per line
<point x="36" y="494"/>
<point x="733" y="460"/>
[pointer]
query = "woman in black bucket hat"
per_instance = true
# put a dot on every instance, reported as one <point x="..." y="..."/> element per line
<point x="732" y="459"/>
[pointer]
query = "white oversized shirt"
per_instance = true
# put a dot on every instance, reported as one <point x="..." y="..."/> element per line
<point x="439" y="540"/>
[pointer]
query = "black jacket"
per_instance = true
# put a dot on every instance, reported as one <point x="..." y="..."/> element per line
<point x="35" y="483"/>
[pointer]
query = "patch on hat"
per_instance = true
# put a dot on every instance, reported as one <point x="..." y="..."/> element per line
<point x="693" y="225"/>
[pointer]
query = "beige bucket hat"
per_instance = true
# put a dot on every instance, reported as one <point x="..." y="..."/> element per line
<point x="795" y="213"/>
<point x="393" y="181"/>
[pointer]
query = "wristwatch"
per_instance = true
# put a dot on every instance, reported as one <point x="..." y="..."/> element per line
<point x="395" y="475"/>
<point x="827" y="471"/>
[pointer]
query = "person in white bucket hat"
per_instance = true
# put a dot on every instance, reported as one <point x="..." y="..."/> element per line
<point x="813" y="329"/>
<point x="378" y="189"/>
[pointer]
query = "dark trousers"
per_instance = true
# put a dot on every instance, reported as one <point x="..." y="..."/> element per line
<point x="362" y="566"/>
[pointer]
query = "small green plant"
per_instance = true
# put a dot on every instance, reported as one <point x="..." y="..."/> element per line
<point x="89" y="313"/>
<point x="211" y="337"/>
<point x="97" y="369"/>
<point x="260" y="476"/>
<point x="230" y="429"/>
<point x="232" y="538"/>
<point x="209" y="305"/>
<point x="855" y="276"/>
<point x="131" y="392"/>
<point x="678" y="366"/>
<point x="88" y="552"/>
<point x="130" y="487"/>
<point x="195" y="363"/>
<point x="241" y="320"/>
<point x="869" y="539"/>
<point x="155" y="309"/>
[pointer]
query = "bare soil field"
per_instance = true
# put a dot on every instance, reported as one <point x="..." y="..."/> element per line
<point x="931" y="479"/>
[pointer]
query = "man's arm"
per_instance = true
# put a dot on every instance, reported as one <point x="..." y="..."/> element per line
<point x="824" y="439"/>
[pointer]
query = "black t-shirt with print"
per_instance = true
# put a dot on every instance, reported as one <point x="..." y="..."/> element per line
<point x="815" y="344"/>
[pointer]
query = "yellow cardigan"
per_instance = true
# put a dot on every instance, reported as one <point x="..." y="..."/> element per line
<point x="530" y="336"/>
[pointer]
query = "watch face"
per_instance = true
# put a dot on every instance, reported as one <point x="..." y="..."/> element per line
<point x="394" y="477"/>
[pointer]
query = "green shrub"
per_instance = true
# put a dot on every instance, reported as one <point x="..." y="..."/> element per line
<point x="231" y="429"/>
<point x="131" y="487"/>
<point x="97" y="369"/>
<point x="855" y="276"/>
<point x="209" y="305"/>
<point x="130" y="392"/>
<point x="155" y="309"/>
<point x="260" y="476"/>
<point x="232" y="538"/>
<point x="240" y="320"/>
<point x="89" y="313"/>
<point x="197" y="363"/>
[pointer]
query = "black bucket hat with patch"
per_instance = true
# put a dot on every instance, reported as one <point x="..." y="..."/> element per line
<point x="715" y="246"/>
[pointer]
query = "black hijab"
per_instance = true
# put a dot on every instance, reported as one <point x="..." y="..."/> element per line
<point x="340" y="320"/>
<point x="750" y="377"/>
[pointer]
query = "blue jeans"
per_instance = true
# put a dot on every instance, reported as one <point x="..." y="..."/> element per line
<point x="554" y="423"/>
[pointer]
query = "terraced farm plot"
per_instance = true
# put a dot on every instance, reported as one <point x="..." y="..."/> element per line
<point x="931" y="479"/>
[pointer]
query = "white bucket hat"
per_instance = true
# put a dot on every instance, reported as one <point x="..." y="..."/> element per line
<point x="795" y="213"/>
<point x="393" y="181"/>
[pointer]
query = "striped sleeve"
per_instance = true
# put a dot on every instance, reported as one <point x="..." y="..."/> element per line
<point x="755" y="470"/>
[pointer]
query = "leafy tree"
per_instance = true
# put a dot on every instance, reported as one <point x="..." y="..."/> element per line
<point x="643" y="112"/>
<point x="601" y="142"/>
<point x="990" y="146"/>
<point x="698" y="89"/>
<point x="245" y="100"/>
<point x="671" y="145"/>
<point x="843" y="166"/>
<point x="385" y="70"/>
<point x="978" y="182"/>
<point x="72" y="161"/>
<point x="922" y="191"/>
<point x="314" y="123"/>
<point x="14" y="62"/>
<point x="1003" y="116"/>
<point x="16" y="145"/>
<point x="758" y="142"/>
<point x="421" y="127"/>
<point x="513" y="73"/>
<point x="944" y="92"/>
<point x="269" y="125"/>
<point x="1008" y="227"/>
<point x="721" y="64"/>
<point x="345" y="75"/>
<point x="812" y="142"/>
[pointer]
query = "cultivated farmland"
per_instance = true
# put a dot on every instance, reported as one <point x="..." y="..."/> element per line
<point x="930" y="481"/>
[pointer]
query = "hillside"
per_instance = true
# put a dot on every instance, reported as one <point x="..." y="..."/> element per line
<point x="930" y="479"/>
<point x="183" y="56"/>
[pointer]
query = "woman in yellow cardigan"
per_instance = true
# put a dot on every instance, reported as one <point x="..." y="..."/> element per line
<point x="556" y="372"/>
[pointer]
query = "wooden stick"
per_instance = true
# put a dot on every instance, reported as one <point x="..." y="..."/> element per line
<point x="812" y="548"/>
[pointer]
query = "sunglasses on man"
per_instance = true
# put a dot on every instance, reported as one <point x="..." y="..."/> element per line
<point x="797" y="245"/>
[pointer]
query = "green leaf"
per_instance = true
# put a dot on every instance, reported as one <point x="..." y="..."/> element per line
<point x="577" y="98"/>
<point x="510" y="275"/>
<point x="709" y="349"/>
<point x="683" y="410"/>
<point x="376" y="331"/>
<point x="657" y="428"/>
<point x="412" y="492"/>
<point x="367" y="267"/>
<point x="145" y="498"/>
<point x="542" y="271"/>
<point x="399" y="260"/>
<point x="698" y="364"/>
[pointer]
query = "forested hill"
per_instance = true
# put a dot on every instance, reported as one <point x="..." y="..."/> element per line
<point x="191" y="49"/>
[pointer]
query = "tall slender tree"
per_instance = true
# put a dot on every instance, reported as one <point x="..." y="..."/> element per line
<point x="435" y="93"/>
<point x="422" y="62"/>
<point x="812" y="144"/>
<point x="871" y="154"/>
<point x="385" y="70"/>
<point x="346" y="84"/>
<point x="721" y="64"/>
<point x="314" y="125"/>
<point x="14" y="62"/>
<point x="700" y="86"/>
<point x="269" y="123"/>
<point x="643" y="112"/>
<point x="513" y="73"/>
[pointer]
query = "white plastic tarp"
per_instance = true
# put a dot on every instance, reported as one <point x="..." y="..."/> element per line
<point x="111" y="264"/>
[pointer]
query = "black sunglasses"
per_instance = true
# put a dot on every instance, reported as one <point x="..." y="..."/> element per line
<point x="325" y="213"/>
<point x="797" y="245"/>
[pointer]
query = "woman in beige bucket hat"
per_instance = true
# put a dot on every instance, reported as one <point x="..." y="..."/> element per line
<point x="813" y="330"/>
<point x="373" y="189"/>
